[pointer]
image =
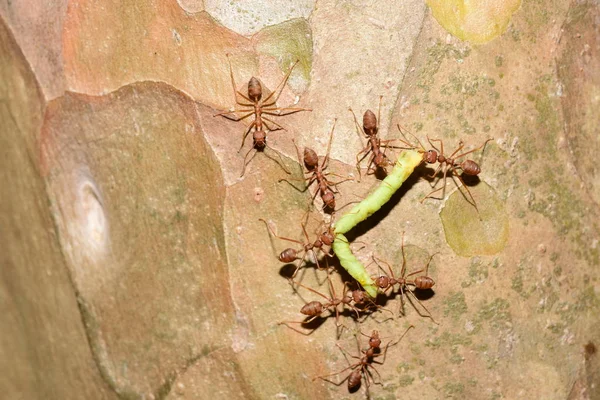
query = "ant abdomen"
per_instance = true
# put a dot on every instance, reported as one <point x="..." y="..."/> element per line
<point x="254" y="89"/>
<point x="354" y="379"/>
<point x="424" y="282"/>
<point x="370" y="123"/>
<point x="470" y="167"/>
<point x="311" y="159"/>
<point x="288" y="255"/>
<point x="313" y="308"/>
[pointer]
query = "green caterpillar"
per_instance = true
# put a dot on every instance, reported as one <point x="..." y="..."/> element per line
<point x="405" y="165"/>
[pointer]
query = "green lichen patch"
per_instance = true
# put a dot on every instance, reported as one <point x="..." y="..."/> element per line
<point x="478" y="273"/>
<point x="436" y="54"/>
<point x="453" y="390"/>
<point x="288" y="42"/>
<point x="475" y="21"/>
<point x="470" y="233"/>
<point x="405" y="380"/>
<point x="495" y="314"/>
<point x="455" y="305"/>
<point x="569" y="215"/>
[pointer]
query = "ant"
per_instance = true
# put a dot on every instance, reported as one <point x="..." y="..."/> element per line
<point x="421" y="282"/>
<point x="316" y="171"/>
<point x="365" y="362"/>
<point x="314" y="309"/>
<point x="449" y="164"/>
<point x="290" y="255"/>
<point x="378" y="161"/>
<point x="255" y="105"/>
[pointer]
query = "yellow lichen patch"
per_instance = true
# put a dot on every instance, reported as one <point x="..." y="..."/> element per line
<point x="469" y="233"/>
<point x="477" y="21"/>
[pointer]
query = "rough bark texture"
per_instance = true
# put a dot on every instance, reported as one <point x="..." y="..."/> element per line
<point x="133" y="261"/>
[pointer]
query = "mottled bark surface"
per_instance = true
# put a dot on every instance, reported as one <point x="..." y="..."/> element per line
<point x="133" y="261"/>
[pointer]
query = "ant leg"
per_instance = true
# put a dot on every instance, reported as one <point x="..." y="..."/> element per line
<point x="326" y="159"/>
<point x="279" y="87"/>
<point x="379" y="113"/>
<point x="368" y="374"/>
<point x="366" y="150"/>
<point x="435" y="148"/>
<point x="225" y="114"/>
<point x="298" y="154"/>
<point x="402" y="310"/>
<point x="443" y="188"/>
<point x="245" y="135"/>
<point x="248" y="162"/>
<point x="472" y="202"/>
<point x="395" y="343"/>
<point x="235" y="91"/>
<point x="428" y="315"/>
<point x="437" y="170"/>
<point x="280" y="161"/>
<point x="403" y="270"/>
<point x="330" y="183"/>
<point x="372" y="168"/>
<point x="471" y="151"/>
<point x="312" y="290"/>
<point x="286" y="111"/>
<point x="297" y="330"/>
<point x="375" y="259"/>
<point x="406" y="141"/>
<point x="311" y="180"/>
<point x="461" y="145"/>
<point x="384" y="143"/>
<point x="277" y="236"/>
<point x="279" y="127"/>
<point x="426" y="269"/>
<point x="358" y="127"/>
<point x="334" y="374"/>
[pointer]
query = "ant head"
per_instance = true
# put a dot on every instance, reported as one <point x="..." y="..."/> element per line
<point x="430" y="156"/>
<point x="370" y="123"/>
<point x="254" y="89"/>
<point x="347" y="298"/>
<point x="382" y="161"/>
<point x="359" y="296"/>
<point x="470" y="167"/>
<point x="374" y="340"/>
<point x="311" y="160"/>
<point x="327" y="237"/>
<point x="260" y="139"/>
<point x="383" y="282"/>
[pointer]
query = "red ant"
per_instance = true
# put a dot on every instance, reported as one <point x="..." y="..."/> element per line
<point x="422" y="282"/>
<point x="258" y="107"/>
<point x="290" y="255"/>
<point x="314" y="309"/>
<point x="450" y="163"/>
<point x="370" y="129"/>
<point x="316" y="171"/>
<point x="365" y="362"/>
